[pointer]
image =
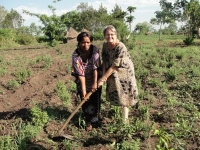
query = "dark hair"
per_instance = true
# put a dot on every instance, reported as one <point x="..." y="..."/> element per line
<point x="82" y="35"/>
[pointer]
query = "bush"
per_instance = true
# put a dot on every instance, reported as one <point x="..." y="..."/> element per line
<point x="7" y="37"/>
<point x="98" y="36"/>
<point x="25" y="39"/>
<point x="189" y="41"/>
<point x="12" y="84"/>
<point x="41" y="39"/>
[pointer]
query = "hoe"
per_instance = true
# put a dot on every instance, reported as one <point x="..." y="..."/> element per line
<point x="60" y="131"/>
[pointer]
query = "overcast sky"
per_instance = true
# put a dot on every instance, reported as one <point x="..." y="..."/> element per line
<point x="144" y="8"/>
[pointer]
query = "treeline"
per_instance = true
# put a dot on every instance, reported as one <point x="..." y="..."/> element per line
<point x="87" y="17"/>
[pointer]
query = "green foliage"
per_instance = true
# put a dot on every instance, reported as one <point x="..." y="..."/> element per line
<point x="171" y="75"/>
<point x="163" y="139"/>
<point x="47" y="59"/>
<point x="130" y="144"/>
<point x="12" y="84"/>
<point x="98" y="36"/>
<point x="53" y="43"/>
<point x="39" y="117"/>
<point x="63" y="93"/>
<point x="41" y="39"/>
<point x="12" y="20"/>
<point x="25" y="39"/>
<point x="6" y="143"/>
<point x="7" y="37"/>
<point x="2" y="71"/>
<point x="189" y="41"/>
<point x="22" y="74"/>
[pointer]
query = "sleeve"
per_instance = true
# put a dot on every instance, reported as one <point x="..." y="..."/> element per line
<point x="120" y="54"/>
<point x="77" y="66"/>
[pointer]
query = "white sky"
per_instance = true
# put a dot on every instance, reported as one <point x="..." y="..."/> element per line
<point x="144" y="8"/>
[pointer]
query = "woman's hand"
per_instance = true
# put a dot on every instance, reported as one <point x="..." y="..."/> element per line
<point x="83" y="94"/>
<point x="100" y="82"/>
<point x="94" y="87"/>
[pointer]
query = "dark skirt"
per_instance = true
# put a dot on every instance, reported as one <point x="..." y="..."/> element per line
<point x="91" y="108"/>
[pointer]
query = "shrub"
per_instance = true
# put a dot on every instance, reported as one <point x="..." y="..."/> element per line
<point x="98" y="36"/>
<point x="22" y="74"/>
<point x="189" y="41"/>
<point x="25" y="39"/>
<point x="41" y="39"/>
<point x="12" y="84"/>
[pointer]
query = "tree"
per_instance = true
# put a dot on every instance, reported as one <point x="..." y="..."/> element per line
<point x="71" y="19"/>
<point x="12" y="20"/>
<point x="118" y="13"/>
<point x="3" y="13"/>
<point x="53" y="25"/>
<point x="34" y="30"/>
<point x="164" y="16"/>
<point x="130" y="17"/>
<point x="87" y="16"/>
<point x="142" y="28"/>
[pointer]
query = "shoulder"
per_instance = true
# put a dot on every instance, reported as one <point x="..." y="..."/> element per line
<point x="121" y="46"/>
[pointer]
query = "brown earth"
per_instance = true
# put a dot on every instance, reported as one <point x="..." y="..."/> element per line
<point x="40" y="89"/>
<point x="37" y="89"/>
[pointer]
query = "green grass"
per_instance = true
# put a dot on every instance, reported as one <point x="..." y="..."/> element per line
<point x="166" y="117"/>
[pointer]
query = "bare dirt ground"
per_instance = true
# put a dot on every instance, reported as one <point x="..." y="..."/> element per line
<point x="37" y="89"/>
<point x="40" y="89"/>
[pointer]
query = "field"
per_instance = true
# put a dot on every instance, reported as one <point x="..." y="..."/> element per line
<point x="38" y="93"/>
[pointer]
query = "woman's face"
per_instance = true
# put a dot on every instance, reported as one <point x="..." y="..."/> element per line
<point x="110" y="36"/>
<point x="85" y="44"/>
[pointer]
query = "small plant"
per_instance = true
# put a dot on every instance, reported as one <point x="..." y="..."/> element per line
<point x="3" y="71"/>
<point x="39" y="117"/>
<point x="163" y="139"/>
<point x="170" y="75"/>
<point x="63" y="93"/>
<point x="6" y="143"/>
<point x="47" y="59"/>
<point x="22" y="74"/>
<point x="130" y="144"/>
<point x="12" y="84"/>
<point x="189" y="41"/>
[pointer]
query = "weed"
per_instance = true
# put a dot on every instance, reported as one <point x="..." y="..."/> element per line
<point x="47" y="59"/>
<point x="130" y="144"/>
<point x="6" y="143"/>
<point x="39" y="117"/>
<point x="163" y="139"/>
<point x="12" y="84"/>
<point x="22" y="74"/>
<point x="171" y="75"/>
<point x="3" y="71"/>
<point x="63" y="93"/>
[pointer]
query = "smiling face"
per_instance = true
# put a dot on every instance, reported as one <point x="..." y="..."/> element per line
<point x="84" y="45"/>
<point x="110" y="36"/>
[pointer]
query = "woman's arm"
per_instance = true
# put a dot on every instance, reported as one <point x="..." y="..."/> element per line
<point x="106" y="75"/>
<point x="94" y="85"/>
<point x="83" y="85"/>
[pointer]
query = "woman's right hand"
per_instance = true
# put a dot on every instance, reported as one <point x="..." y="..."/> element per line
<point x="83" y="94"/>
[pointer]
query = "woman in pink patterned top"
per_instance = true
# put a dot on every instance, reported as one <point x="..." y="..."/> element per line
<point x="86" y="65"/>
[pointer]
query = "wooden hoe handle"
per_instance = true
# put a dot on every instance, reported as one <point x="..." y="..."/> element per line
<point x="77" y="108"/>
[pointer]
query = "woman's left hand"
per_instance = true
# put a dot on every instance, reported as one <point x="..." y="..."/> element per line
<point x="100" y="83"/>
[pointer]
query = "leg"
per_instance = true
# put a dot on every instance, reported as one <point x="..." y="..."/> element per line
<point x="125" y="112"/>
